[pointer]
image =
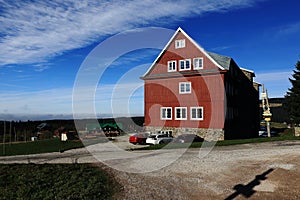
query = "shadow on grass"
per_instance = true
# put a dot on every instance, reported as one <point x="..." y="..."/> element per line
<point x="247" y="190"/>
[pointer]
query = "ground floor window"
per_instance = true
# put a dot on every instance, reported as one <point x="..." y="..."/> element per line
<point x="196" y="113"/>
<point x="181" y="113"/>
<point x="166" y="113"/>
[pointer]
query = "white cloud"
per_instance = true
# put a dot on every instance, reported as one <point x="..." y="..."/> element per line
<point x="273" y="76"/>
<point x="34" y="31"/>
<point x="289" y="29"/>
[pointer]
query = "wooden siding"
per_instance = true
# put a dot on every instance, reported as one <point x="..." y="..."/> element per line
<point x="207" y="92"/>
<point x="190" y="51"/>
<point x="238" y="100"/>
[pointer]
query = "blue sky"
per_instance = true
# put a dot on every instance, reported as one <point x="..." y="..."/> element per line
<point x="43" y="45"/>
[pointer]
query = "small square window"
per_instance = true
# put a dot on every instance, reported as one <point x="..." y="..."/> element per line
<point x="185" y="87"/>
<point x="179" y="44"/>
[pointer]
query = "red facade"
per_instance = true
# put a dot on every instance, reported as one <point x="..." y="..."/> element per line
<point x="205" y="85"/>
<point x="162" y="88"/>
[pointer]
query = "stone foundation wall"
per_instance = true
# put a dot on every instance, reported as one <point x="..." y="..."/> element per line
<point x="207" y="134"/>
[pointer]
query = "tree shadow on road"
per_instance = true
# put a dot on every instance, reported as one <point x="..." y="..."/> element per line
<point x="247" y="190"/>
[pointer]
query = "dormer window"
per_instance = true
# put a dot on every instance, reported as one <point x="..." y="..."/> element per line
<point x="179" y="44"/>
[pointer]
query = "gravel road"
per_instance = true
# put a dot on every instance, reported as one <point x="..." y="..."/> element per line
<point x="254" y="171"/>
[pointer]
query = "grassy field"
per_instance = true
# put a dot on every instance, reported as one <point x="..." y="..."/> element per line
<point x="55" y="145"/>
<point x="41" y="146"/>
<point x="45" y="146"/>
<point x="55" y="181"/>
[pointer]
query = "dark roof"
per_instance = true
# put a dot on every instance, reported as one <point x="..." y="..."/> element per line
<point x="224" y="61"/>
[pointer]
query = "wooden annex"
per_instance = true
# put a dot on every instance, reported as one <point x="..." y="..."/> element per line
<point x="190" y="90"/>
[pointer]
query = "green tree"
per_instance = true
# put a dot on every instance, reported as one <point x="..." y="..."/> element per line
<point x="292" y="97"/>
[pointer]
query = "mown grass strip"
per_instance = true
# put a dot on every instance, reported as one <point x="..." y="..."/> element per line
<point x="55" y="181"/>
<point x="45" y="146"/>
<point x="42" y="146"/>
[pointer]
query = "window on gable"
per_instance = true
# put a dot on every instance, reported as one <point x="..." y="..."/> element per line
<point x="180" y="113"/>
<point x="179" y="44"/>
<point x="198" y="63"/>
<point x="185" y="87"/>
<point x="166" y="113"/>
<point x="196" y="113"/>
<point x="184" y="64"/>
<point x="172" y="66"/>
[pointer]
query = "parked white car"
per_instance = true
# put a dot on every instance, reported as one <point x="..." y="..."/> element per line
<point x="159" y="139"/>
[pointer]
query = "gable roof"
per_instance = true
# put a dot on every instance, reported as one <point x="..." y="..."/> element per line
<point x="193" y="42"/>
<point x="223" y="62"/>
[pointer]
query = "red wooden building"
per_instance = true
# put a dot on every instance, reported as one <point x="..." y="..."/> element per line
<point x="190" y="90"/>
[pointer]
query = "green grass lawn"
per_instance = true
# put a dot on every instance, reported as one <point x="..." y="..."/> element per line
<point x="44" y="146"/>
<point x="41" y="146"/>
<point x="55" y="181"/>
<point x="55" y="145"/>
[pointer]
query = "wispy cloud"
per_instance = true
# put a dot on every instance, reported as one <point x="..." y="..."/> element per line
<point x="221" y="48"/>
<point x="34" y="31"/>
<point x="289" y="29"/>
<point x="273" y="76"/>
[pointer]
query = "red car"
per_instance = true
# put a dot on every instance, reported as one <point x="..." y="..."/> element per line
<point x="138" y="138"/>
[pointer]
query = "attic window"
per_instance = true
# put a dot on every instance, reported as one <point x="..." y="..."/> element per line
<point x="172" y="66"/>
<point x="184" y="64"/>
<point x="179" y="44"/>
<point x="198" y="63"/>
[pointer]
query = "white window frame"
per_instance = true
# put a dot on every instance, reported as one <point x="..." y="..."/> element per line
<point x="184" y="66"/>
<point x="174" y="66"/>
<point x="195" y="65"/>
<point x="196" y="118"/>
<point x="185" y="87"/>
<point x="166" y="113"/>
<point x="181" y="117"/>
<point x="179" y="44"/>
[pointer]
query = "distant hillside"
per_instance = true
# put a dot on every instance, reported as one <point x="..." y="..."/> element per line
<point x="24" y="130"/>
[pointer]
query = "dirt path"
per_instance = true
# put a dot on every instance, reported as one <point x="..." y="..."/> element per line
<point x="251" y="171"/>
<point x="257" y="171"/>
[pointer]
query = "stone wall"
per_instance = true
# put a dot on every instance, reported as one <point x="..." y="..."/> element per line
<point x="207" y="134"/>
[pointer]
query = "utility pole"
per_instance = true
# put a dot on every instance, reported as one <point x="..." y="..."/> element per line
<point x="4" y="127"/>
<point x="15" y="133"/>
<point x="266" y="109"/>
<point x="10" y="133"/>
